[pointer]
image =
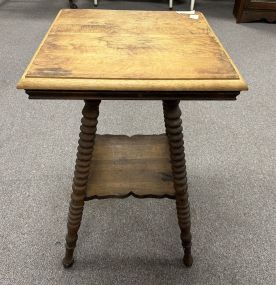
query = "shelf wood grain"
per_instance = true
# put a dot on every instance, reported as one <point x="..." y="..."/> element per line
<point x="123" y="166"/>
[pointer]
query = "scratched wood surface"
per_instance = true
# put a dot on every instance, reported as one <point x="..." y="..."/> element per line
<point x="123" y="166"/>
<point x="130" y="50"/>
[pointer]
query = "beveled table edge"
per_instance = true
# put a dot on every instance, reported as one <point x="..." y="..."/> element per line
<point x="131" y="85"/>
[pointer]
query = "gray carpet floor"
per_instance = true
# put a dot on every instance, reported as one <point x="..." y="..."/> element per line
<point x="230" y="149"/>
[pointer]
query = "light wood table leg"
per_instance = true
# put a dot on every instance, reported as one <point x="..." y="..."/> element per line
<point x="172" y="115"/>
<point x="88" y="128"/>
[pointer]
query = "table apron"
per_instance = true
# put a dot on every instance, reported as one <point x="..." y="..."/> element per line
<point x="132" y="95"/>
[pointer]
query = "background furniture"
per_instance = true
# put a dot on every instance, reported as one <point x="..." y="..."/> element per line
<point x="254" y="10"/>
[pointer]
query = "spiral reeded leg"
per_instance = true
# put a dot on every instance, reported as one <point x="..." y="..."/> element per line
<point x="172" y="114"/>
<point x="84" y="155"/>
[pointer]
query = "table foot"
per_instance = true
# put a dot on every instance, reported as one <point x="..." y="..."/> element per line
<point x="172" y="116"/>
<point x="86" y="144"/>
<point x="188" y="258"/>
<point x="67" y="263"/>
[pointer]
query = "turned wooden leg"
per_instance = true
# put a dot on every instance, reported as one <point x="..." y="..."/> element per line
<point x="88" y="128"/>
<point x="172" y="114"/>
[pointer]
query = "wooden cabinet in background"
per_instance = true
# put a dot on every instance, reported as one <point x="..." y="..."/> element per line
<point x="254" y="10"/>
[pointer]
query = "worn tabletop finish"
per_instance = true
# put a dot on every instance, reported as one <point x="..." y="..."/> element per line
<point x="90" y="50"/>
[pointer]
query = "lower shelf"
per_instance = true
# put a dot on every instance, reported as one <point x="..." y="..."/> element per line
<point x="123" y="166"/>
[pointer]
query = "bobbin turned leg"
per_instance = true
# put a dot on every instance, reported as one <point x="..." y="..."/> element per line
<point x="172" y="114"/>
<point x="88" y="128"/>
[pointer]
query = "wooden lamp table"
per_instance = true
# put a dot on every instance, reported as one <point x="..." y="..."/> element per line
<point x="120" y="55"/>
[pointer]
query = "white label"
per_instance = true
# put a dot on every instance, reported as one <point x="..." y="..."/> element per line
<point x="186" y="12"/>
<point x="195" y="17"/>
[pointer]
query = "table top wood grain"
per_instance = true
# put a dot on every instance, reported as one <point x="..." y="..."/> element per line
<point x="102" y="50"/>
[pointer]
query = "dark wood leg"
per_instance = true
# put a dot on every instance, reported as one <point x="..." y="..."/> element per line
<point x="72" y="4"/>
<point x="172" y="115"/>
<point x="84" y="155"/>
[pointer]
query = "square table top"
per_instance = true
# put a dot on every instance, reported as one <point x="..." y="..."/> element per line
<point x="90" y="50"/>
